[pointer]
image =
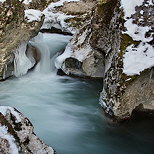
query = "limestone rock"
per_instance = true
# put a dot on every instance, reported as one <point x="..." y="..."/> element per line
<point x="128" y="83"/>
<point x="84" y="60"/>
<point x="17" y="136"/>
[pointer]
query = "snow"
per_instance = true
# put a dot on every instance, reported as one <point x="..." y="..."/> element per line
<point x="103" y="104"/>
<point x="83" y="53"/>
<point x="52" y="18"/>
<point x="82" y="38"/>
<point x="2" y="1"/>
<point x="137" y="59"/>
<point x="137" y="32"/>
<point x="21" y="62"/>
<point x="33" y="15"/>
<point x="150" y="2"/>
<point x="133" y="30"/>
<point x="7" y="109"/>
<point x="80" y="55"/>
<point x="60" y="3"/>
<point x="129" y="6"/>
<point x="5" y="135"/>
<point x="56" y="19"/>
<point x="27" y="1"/>
<point x="60" y="59"/>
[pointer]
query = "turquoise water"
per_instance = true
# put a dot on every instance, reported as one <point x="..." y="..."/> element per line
<point x="67" y="116"/>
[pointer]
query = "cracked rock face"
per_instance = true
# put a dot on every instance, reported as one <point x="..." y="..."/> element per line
<point x="17" y="136"/>
<point x="128" y="84"/>
<point x="83" y="60"/>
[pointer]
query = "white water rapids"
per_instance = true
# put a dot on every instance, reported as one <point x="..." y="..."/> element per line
<point x="48" y="45"/>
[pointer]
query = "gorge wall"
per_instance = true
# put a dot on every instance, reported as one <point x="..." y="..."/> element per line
<point x="128" y="81"/>
<point x="116" y="44"/>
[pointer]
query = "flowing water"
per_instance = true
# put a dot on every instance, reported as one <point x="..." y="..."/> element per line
<point x="65" y="111"/>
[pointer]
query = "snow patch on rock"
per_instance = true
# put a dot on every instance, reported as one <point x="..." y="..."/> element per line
<point x="83" y="53"/>
<point x="80" y="55"/>
<point x="33" y="15"/>
<point x="137" y="59"/>
<point x="52" y="18"/>
<point x="60" y="59"/>
<point x="129" y="6"/>
<point x="56" y="19"/>
<point x="7" y="110"/>
<point x="27" y="1"/>
<point x="2" y="1"/>
<point x="5" y="135"/>
<point x="137" y="32"/>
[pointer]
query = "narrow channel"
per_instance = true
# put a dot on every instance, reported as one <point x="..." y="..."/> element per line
<point x="65" y="111"/>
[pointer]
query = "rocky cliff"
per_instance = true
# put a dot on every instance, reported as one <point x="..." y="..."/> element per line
<point x="116" y="43"/>
<point x="128" y="81"/>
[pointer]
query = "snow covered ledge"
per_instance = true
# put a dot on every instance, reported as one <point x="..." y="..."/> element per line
<point x="140" y="56"/>
<point x="17" y="136"/>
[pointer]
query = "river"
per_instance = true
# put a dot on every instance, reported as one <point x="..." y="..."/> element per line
<point x="65" y="112"/>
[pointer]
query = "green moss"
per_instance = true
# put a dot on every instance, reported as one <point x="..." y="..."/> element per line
<point x="126" y="40"/>
<point x="101" y="2"/>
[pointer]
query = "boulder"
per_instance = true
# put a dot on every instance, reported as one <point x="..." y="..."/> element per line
<point x="80" y="58"/>
<point x="17" y="136"/>
<point x="129" y="61"/>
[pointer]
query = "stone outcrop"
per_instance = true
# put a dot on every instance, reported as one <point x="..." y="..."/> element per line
<point x="122" y="93"/>
<point x="101" y="45"/>
<point x="84" y="60"/>
<point x="15" y="30"/>
<point x="17" y="136"/>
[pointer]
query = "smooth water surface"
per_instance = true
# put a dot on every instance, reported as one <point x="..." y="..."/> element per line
<point x="66" y="115"/>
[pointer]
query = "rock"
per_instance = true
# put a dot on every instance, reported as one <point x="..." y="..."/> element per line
<point x="91" y="60"/>
<point x="15" y="30"/>
<point x="123" y="90"/>
<point x="101" y="48"/>
<point x="17" y="136"/>
<point x="77" y="8"/>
